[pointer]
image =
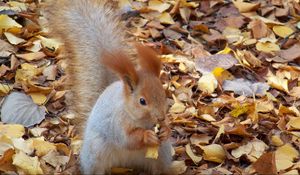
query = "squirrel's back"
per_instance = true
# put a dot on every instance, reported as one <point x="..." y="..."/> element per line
<point x="88" y="28"/>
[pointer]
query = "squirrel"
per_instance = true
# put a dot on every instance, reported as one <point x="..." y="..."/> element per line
<point x="120" y="101"/>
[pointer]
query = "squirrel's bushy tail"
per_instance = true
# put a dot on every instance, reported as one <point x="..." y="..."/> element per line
<point x="88" y="28"/>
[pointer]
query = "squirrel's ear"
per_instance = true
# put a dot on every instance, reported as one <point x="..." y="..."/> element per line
<point x="148" y="59"/>
<point x="121" y="64"/>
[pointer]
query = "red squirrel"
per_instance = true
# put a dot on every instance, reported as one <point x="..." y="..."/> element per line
<point x="120" y="113"/>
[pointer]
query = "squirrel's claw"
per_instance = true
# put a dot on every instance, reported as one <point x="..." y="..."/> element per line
<point x="150" y="138"/>
<point x="164" y="133"/>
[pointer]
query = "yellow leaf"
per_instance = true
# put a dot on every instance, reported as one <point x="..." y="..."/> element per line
<point x="208" y="83"/>
<point x="276" y="140"/>
<point x="12" y="130"/>
<point x="6" y="22"/>
<point x="284" y="156"/>
<point x="38" y="98"/>
<point x="31" y="56"/>
<point x="190" y="153"/>
<point x="294" y="123"/>
<point x="152" y="152"/>
<point x="207" y="117"/>
<point x="166" y="18"/>
<point x="226" y="50"/>
<point x="177" y="107"/>
<point x="27" y="72"/>
<point x="278" y="83"/>
<point x="178" y="166"/>
<point x="220" y="132"/>
<point x="214" y="153"/>
<point x="239" y="110"/>
<point x="42" y="147"/>
<point x="158" y="5"/>
<point x="267" y="47"/>
<point x="244" y="7"/>
<point x="49" y="42"/>
<point x="189" y="4"/>
<point x="5" y="88"/>
<point x="30" y="165"/>
<point x="264" y="106"/>
<point x="13" y="39"/>
<point x="23" y="145"/>
<point x="282" y="31"/>
<point x="218" y="71"/>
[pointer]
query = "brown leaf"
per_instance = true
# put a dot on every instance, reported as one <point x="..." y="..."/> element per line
<point x="291" y="54"/>
<point x="265" y="164"/>
<point x="259" y="29"/>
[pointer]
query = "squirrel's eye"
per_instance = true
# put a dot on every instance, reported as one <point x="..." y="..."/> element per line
<point x="142" y="101"/>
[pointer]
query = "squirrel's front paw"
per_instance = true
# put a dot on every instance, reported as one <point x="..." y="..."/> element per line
<point x="164" y="133"/>
<point x="151" y="138"/>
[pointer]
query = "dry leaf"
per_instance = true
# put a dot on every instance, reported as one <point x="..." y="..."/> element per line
<point x="214" y="153"/>
<point x="19" y="108"/>
<point x="13" y="39"/>
<point x="6" y="22"/>
<point x="196" y="159"/>
<point x="158" y="5"/>
<point x="246" y="88"/>
<point x="30" y="165"/>
<point x="208" y="83"/>
<point x="31" y="56"/>
<point x="282" y="31"/>
<point x="245" y="6"/>
<point x="12" y="130"/>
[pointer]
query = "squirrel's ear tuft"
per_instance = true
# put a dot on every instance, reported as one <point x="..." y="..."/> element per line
<point x="148" y="59"/>
<point x="121" y="64"/>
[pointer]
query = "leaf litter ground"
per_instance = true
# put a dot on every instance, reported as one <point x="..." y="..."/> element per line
<point x="231" y="73"/>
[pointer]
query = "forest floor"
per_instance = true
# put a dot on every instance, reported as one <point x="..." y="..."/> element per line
<point x="231" y="73"/>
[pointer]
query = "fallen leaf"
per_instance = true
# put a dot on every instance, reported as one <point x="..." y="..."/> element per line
<point x="6" y="22"/>
<point x="177" y="107"/>
<point x="290" y="54"/>
<point x="5" y="89"/>
<point x="12" y="130"/>
<point x="196" y="159"/>
<point x="42" y="147"/>
<point x="179" y="167"/>
<point x="50" y="43"/>
<point x="265" y="164"/>
<point x="198" y="139"/>
<point x="38" y="98"/>
<point x="267" y="47"/>
<point x="32" y="56"/>
<point x="19" y="108"/>
<point x="166" y="18"/>
<point x="214" y="153"/>
<point x="208" y="83"/>
<point x="158" y="5"/>
<point x="246" y="88"/>
<point x="245" y="6"/>
<point x="30" y="165"/>
<point x="278" y="83"/>
<point x="13" y="39"/>
<point x="209" y="63"/>
<point x="282" y="31"/>
<point x="294" y="123"/>
<point x="54" y="159"/>
<point x="284" y="156"/>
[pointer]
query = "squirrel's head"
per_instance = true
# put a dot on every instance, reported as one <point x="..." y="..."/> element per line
<point x="145" y="98"/>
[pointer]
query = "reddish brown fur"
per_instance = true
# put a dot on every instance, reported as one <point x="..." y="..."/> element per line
<point x="148" y="60"/>
<point x="121" y="64"/>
